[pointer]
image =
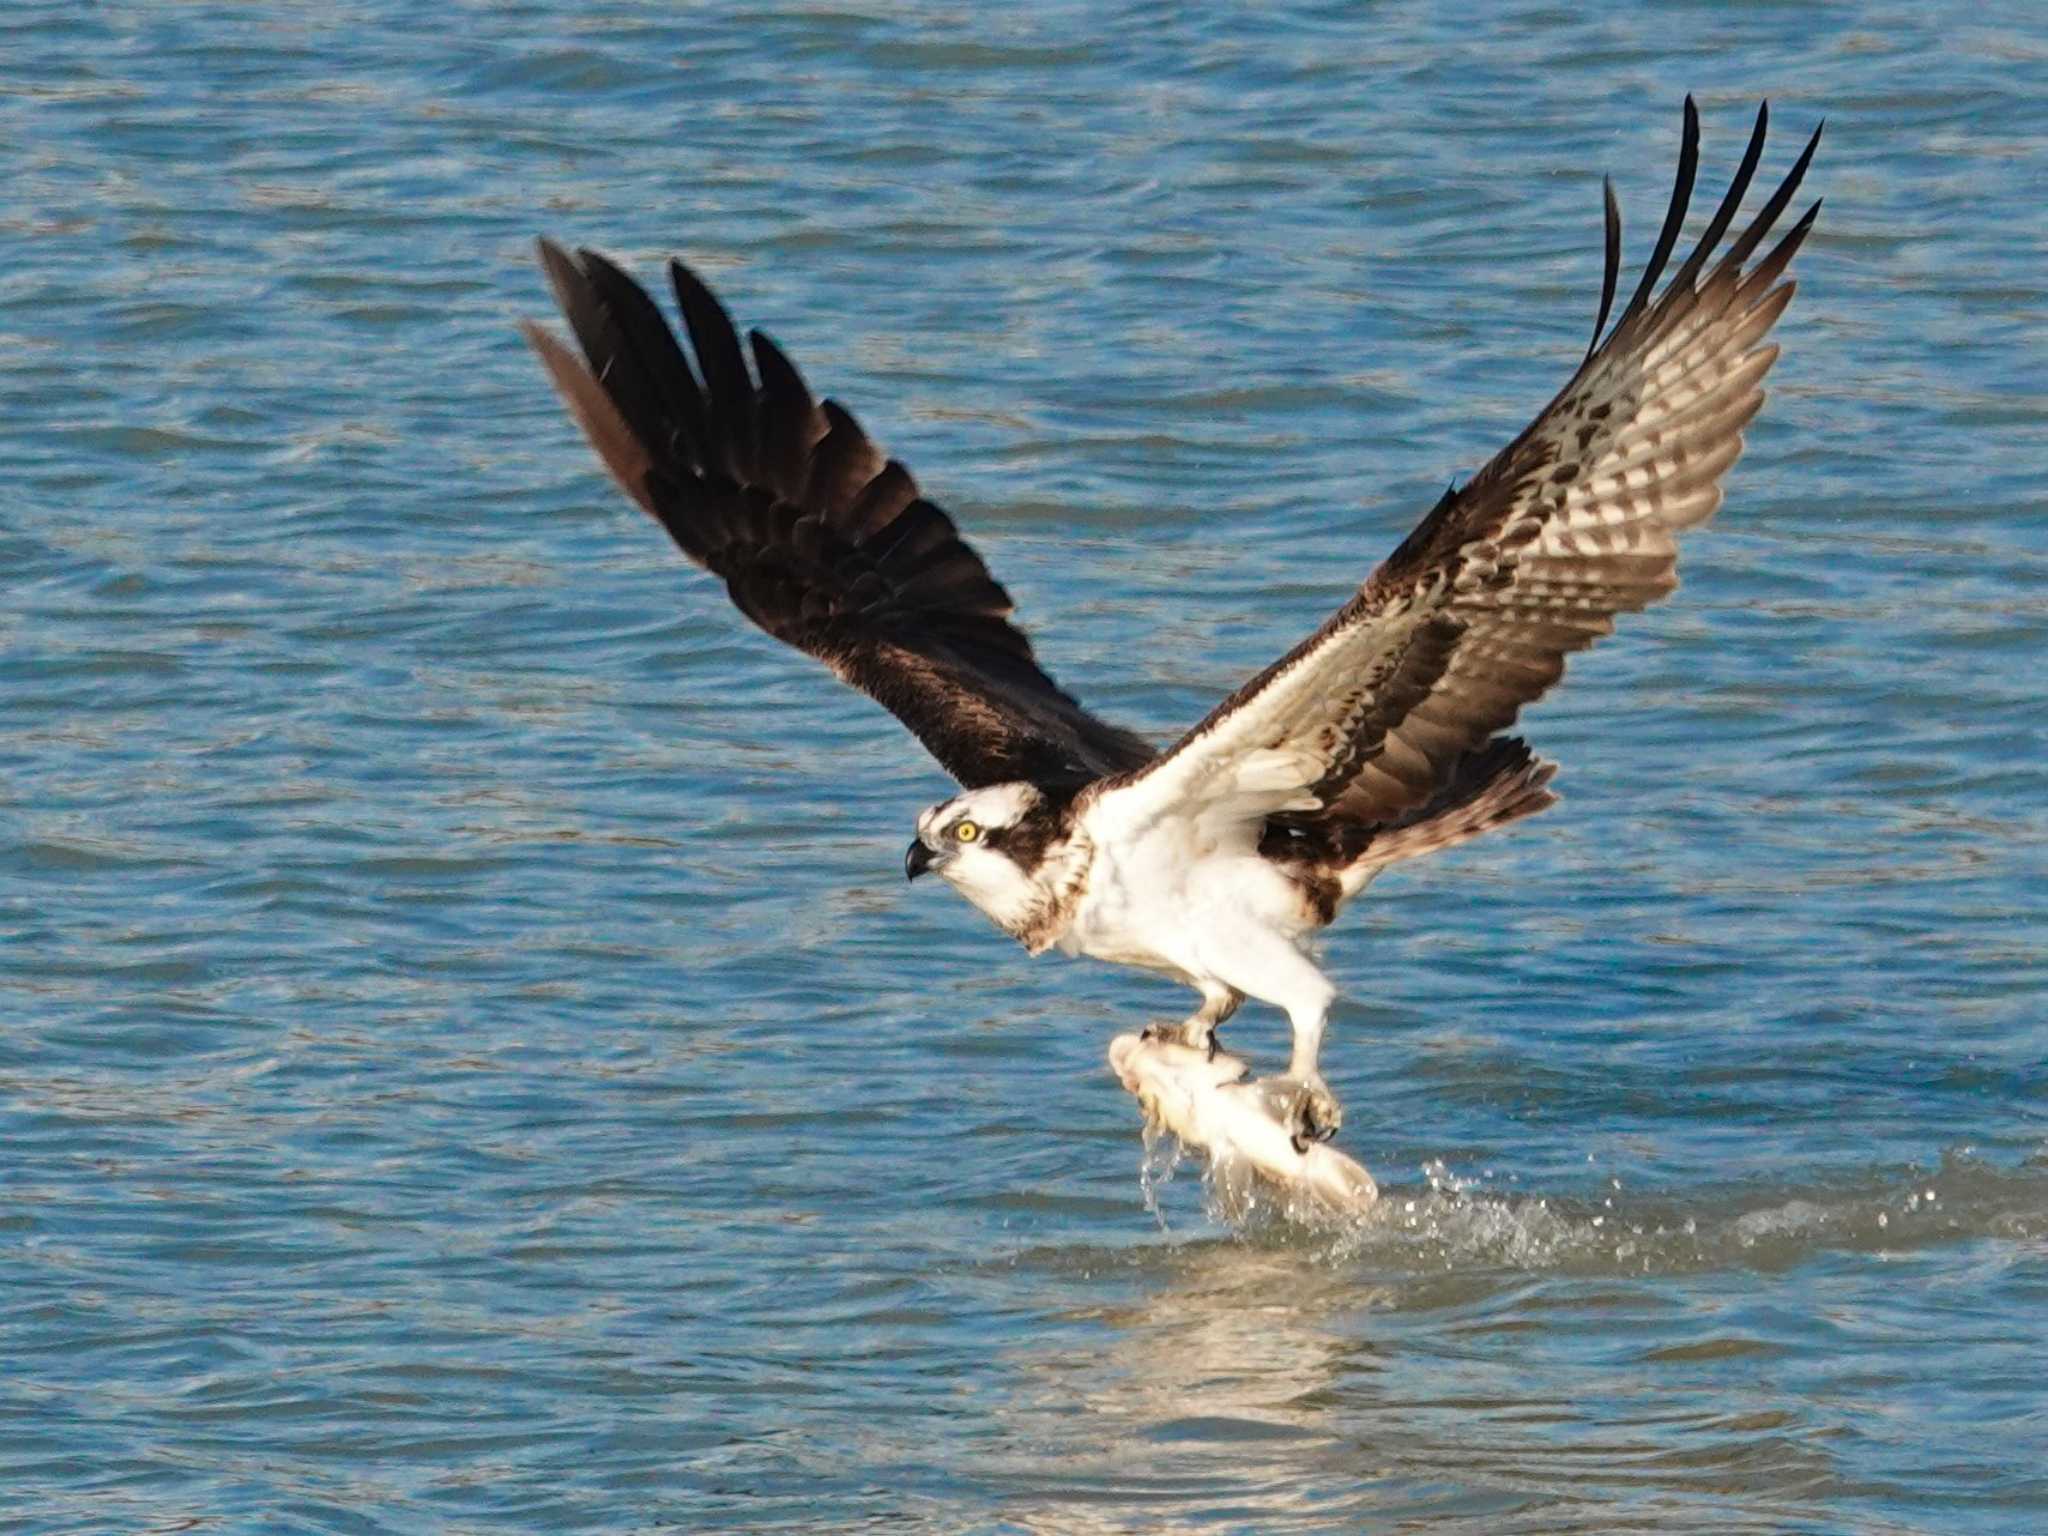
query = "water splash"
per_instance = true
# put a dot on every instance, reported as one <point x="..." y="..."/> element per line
<point x="1453" y="1223"/>
<point x="1456" y="1222"/>
<point x="1162" y="1156"/>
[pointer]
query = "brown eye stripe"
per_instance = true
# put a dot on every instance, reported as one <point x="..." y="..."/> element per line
<point x="1023" y="844"/>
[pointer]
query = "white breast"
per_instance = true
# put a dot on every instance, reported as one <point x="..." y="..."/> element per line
<point x="1175" y="899"/>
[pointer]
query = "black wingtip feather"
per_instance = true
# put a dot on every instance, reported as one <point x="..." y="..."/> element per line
<point x="1683" y="280"/>
<point x="790" y="424"/>
<point x="1612" y="270"/>
<point x="1674" y="216"/>
<point x="564" y="277"/>
<point x="574" y="297"/>
<point x="727" y="383"/>
<point x="1752" y="237"/>
<point x="644" y="369"/>
<point x="1731" y="202"/>
<point x="778" y="374"/>
<point x="1768" y="270"/>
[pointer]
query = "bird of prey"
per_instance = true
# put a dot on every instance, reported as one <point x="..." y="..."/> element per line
<point x="1378" y="738"/>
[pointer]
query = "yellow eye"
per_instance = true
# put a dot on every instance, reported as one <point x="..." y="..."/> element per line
<point x="966" y="831"/>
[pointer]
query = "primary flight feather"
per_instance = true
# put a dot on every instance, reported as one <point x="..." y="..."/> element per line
<point x="1376" y="739"/>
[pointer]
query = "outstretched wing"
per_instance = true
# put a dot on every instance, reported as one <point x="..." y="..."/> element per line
<point x="820" y="540"/>
<point x="1572" y="523"/>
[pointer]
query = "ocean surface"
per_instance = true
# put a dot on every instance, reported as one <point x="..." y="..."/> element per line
<point x="469" y="1060"/>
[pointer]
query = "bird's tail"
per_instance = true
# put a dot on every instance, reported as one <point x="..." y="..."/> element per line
<point x="1502" y="782"/>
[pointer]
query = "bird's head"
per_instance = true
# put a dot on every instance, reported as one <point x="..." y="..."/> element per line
<point x="989" y="844"/>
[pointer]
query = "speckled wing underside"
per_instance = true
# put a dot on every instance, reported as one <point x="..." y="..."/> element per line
<point x="1572" y="523"/>
<point x="820" y="540"/>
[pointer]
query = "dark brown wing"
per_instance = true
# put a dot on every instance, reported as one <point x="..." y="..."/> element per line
<point x="820" y="540"/>
<point x="1571" y="524"/>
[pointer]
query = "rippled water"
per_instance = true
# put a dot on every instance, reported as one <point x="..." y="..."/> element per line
<point x="469" y="1060"/>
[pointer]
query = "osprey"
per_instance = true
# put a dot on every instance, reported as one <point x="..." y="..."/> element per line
<point x="1376" y="739"/>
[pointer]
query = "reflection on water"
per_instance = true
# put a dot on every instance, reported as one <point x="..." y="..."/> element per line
<point x="1223" y="1381"/>
<point x="1385" y="1372"/>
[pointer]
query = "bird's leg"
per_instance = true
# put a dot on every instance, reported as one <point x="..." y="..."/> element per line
<point x="1198" y="1029"/>
<point x="1271" y="968"/>
<point x="1314" y="1114"/>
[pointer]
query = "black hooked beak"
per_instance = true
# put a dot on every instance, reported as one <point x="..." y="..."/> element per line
<point x="917" y="859"/>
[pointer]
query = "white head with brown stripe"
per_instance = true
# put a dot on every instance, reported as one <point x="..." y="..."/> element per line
<point x="998" y="846"/>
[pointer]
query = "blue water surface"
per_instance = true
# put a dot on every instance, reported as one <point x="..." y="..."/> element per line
<point x="469" y="1060"/>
